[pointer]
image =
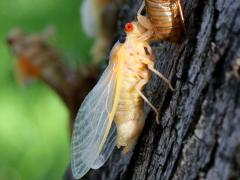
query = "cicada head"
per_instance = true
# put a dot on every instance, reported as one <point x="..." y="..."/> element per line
<point x="134" y="30"/>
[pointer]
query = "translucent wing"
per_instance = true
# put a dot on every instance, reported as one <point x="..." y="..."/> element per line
<point x="93" y="138"/>
<point x="107" y="148"/>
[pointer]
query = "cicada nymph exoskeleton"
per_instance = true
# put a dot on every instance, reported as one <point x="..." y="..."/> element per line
<point x="166" y="18"/>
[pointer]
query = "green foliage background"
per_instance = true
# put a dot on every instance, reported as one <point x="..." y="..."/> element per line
<point x="34" y="139"/>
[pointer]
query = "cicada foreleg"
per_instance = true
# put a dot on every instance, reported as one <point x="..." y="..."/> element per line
<point x="181" y="12"/>
<point x="146" y="36"/>
<point x="143" y="20"/>
<point x="150" y="65"/>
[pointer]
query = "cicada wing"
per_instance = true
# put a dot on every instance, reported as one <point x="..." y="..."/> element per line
<point x="94" y="121"/>
<point x="107" y="148"/>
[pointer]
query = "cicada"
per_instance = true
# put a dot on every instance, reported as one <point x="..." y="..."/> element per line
<point x="37" y="59"/>
<point x="112" y="113"/>
<point x="166" y="18"/>
<point x="28" y="50"/>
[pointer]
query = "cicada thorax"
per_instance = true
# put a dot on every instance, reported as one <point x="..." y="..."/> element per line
<point x="166" y="18"/>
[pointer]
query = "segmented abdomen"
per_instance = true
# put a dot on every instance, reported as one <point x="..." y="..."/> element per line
<point x="165" y="16"/>
<point x="129" y="116"/>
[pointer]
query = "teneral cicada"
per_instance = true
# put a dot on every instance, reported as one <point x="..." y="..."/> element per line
<point x="112" y="113"/>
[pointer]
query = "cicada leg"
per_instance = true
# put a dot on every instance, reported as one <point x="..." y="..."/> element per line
<point x="150" y="65"/>
<point x="146" y="36"/>
<point x="143" y="20"/>
<point x="180" y="11"/>
<point x="138" y="88"/>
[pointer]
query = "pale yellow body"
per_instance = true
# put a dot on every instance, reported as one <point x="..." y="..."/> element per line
<point x="137" y="63"/>
<point x="129" y="117"/>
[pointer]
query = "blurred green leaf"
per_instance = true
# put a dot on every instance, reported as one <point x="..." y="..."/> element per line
<point x="34" y="137"/>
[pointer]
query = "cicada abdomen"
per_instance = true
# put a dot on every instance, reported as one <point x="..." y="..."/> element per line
<point x="167" y="19"/>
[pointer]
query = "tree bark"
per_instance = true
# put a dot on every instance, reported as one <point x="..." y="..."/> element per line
<point x="199" y="132"/>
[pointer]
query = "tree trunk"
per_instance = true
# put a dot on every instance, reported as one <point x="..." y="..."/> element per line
<point x="199" y="132"/>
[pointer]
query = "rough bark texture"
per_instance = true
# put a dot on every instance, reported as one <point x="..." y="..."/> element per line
<point x="199" y="132"/>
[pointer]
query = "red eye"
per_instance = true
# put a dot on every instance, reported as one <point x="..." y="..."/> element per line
<point x="128" y="27"/>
